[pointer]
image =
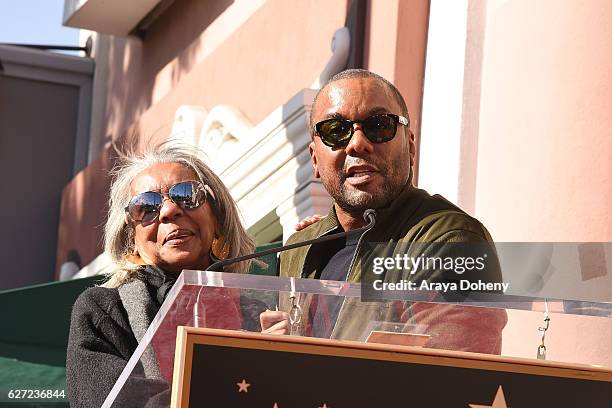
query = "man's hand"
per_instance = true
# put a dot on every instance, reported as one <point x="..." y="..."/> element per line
<point x="308" y="221"/>
<point x="274" y="322"/>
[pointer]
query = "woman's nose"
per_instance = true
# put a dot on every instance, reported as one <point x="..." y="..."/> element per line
<point x="169" y="210"/>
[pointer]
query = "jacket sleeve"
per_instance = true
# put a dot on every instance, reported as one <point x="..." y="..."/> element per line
<point x="99" y="347"/>
<point x="454" y="326"/>
<point x="459" y="328"/>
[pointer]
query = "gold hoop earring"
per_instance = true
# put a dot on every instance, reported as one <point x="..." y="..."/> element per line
<point x="135" y="258"/>
<point x="220" y="248"/>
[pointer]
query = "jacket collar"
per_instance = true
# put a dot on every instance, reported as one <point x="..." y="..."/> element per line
<point x="159" y="282"/>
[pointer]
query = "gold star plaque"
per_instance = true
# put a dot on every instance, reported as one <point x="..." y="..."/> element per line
<point x="243" y="386"/>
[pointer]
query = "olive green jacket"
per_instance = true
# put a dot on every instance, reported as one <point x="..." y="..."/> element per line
<point x="415" y="217"/>
<point x="407" y="225"/>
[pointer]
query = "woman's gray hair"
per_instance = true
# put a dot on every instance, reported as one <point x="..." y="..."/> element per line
<point x="119" y="234"/>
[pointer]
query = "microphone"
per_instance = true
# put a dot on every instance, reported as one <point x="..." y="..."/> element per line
<point x="369" y="216"/>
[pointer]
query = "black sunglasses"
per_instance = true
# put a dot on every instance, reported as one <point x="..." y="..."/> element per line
<point x="145" y="207"/>
<point x="378" y="129"/>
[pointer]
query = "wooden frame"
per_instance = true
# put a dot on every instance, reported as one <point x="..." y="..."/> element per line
<point x="188" y="337"/>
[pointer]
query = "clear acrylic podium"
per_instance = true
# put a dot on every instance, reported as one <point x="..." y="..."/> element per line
<point x="498" y="326"/>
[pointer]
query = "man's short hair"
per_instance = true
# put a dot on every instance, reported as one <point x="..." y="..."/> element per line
<point x="363" y="73"/>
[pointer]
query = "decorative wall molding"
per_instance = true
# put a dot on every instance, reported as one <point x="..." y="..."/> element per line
<point x="273" y="167"/>
<point x="266" y="167"/>
<point x="223" y="133"/>
<point x="311" y="198"/>
<point x="188" y="122"/>
<point x="341" y="48"/>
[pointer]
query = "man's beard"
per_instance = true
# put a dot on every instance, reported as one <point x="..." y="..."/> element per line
<point x="355" y="201"/>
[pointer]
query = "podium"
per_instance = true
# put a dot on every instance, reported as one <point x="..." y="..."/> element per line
<point x="416" y="349"/>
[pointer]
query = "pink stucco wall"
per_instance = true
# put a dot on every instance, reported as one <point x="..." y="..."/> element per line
<point x="538" y="167"/>
<point x="543" y="146"/>
<point x="395" y="47"/>
<point x="251" y="54"/>
<point x="278" y="49"/>
<point x="544" y="169"/>
<point x="83" y="211"/>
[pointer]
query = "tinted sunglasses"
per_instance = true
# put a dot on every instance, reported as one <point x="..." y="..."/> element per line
<point x="145" y="207"/>
<point x="378" y="129"/>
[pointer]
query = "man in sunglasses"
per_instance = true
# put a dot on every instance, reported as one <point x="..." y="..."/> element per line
<point x="363" y="151"/>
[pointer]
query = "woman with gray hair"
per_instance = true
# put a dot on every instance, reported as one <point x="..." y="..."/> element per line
<point x="168" y="212"/>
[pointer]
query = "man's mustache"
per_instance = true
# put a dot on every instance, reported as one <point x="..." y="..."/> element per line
<point x="357" y="161"/>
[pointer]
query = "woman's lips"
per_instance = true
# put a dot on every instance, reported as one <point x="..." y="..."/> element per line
<point x="178" y="237"/>
<point x="178" y="241"/>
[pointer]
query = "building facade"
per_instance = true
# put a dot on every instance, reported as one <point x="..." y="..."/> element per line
<point x="509" y="101"/>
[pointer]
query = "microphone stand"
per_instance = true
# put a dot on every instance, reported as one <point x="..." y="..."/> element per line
<point x="369" y="216"/>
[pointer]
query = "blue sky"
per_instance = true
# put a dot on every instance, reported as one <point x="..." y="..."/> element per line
<point x="35" y="22"/>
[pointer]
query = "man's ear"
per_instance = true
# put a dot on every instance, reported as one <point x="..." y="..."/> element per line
<point x="313" y="159"/>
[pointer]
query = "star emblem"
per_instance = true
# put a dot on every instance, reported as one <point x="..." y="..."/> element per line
<point x="498" y="402"/>
<point x="243" y="386"/>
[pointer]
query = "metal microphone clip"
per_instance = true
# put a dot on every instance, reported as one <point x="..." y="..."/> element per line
<point x="369" y="215"/>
